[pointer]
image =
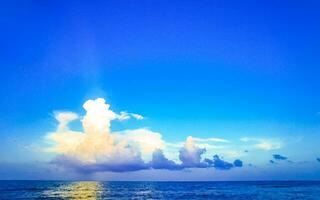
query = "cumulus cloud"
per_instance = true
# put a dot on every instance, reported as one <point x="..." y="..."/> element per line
<point x="190" y="157"/>
<point x="220" y="164"/>
<point x="143" y="139"/>
<point x="190" y="154"/>
<point x="159" y="161"/>
<point x="97" y="148"/>
<point x="279" y="157"/>
<point x="64" y="118"/>
<point x="238" y="163"/>
<point x="95" y="144"/>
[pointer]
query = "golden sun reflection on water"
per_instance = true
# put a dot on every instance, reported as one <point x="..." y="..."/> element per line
<point x="90" y="190"/>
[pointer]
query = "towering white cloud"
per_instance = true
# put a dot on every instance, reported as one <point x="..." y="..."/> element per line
<point x="98" y="117"/>
<point x="95" y="143"/>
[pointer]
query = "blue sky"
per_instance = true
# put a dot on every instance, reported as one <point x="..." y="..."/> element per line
<point x="244" y="71"/>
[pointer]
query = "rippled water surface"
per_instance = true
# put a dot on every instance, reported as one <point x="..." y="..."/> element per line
<point x="158" y="190"/>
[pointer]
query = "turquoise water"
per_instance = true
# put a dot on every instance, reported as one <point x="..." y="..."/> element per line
<point x="158" y="190"/>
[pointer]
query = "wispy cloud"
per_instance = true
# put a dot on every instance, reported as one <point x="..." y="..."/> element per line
<point x="221" y="140"/>
<point x="207" y="143"/>
<point x="266" y="144"/>
<point x="125" y="116"/>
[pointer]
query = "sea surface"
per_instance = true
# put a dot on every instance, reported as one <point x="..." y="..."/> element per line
<point x="91" y="190"/>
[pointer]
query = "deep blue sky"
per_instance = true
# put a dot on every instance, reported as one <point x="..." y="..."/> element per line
<point x="239" y="68"/>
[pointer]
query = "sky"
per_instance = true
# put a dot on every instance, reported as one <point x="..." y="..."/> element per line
<point x="160" y="90"/>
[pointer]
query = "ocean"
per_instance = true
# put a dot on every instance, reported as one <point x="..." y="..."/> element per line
<point x="92" y="190"/>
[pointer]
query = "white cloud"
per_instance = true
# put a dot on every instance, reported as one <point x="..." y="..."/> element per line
<point x="98" y="117"/>
<point x="94" y="142"/>
<point x="125" y="116"/>
<point x="143" y="139"/>
<point x="209" y="144"/>
<point x="190" y="154"/>
<point x="137" y="116"/>
<point x="266" y="144"/>
<point x="97" y="148"/>
<point x="64" y="118"/>
<point x="211" y="140"/>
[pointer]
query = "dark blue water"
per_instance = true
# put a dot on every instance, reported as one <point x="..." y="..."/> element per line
<point x="158" y="190"/>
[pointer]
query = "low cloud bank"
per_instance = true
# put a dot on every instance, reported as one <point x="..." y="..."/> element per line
<point x="96" y="148"/>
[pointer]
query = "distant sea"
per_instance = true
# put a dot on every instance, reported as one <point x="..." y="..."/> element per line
<point x="91" y="190"/>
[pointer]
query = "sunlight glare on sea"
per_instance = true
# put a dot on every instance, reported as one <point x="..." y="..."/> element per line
<point x="90" y="190"/>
